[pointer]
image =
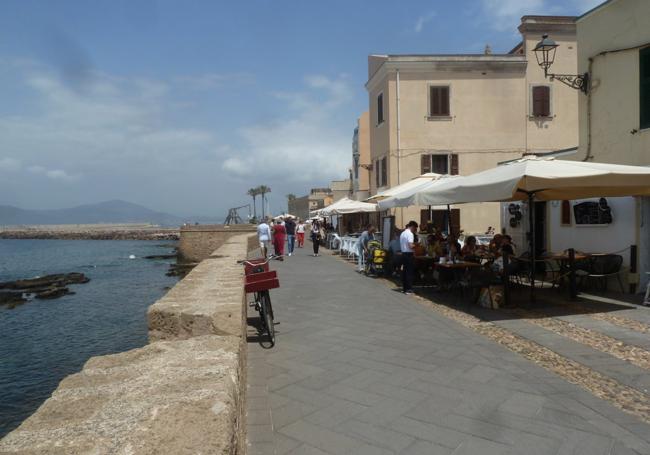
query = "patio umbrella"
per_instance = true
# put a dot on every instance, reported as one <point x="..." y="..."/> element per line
<point x="532" y="178"/>
<point x="409" y="193"/>
<point x="411" y="185"/>
<point x="346" y="205"/>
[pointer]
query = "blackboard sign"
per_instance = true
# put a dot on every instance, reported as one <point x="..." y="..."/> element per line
<point x="592" y="212"/>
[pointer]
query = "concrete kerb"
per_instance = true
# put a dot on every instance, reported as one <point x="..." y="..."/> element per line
<point x="183" y="393"/>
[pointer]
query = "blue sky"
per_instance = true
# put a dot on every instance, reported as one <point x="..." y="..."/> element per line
<point x="183" y="106"/>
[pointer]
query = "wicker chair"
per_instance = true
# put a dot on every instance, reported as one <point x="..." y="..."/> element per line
<point x="601" y="267"/>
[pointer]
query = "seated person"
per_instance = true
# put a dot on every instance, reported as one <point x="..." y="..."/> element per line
<point x="495" y="244"/>
<point x="506" y="245"/>
<point x="395" y="253"/>
<point x="434" y="247"/>
<point x="470" y="250"/>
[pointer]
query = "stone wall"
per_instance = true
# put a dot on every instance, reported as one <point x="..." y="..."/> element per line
<point x="200" y="241"/>
<point x="183" y="393"/>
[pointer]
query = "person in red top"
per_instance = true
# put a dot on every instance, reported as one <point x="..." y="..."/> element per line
<point x="279" y="237"/>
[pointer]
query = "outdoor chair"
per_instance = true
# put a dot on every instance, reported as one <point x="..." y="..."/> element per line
<point x="335" y="242"/>
<point x="600" y="268"/>
<point x="553" y="267"/>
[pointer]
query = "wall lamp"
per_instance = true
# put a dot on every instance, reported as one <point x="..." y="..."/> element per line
<point x="545" y="54"/>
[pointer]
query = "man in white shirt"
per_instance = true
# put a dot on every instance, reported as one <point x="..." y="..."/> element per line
<point x="407" y="243"/>
<point x="264" y="236"/>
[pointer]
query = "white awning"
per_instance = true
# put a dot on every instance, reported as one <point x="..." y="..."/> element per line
<point x="546" y="179"/>
<point x="408" y="194"/>
<point x="346" y="206"/>
<point x="411" y="185"/>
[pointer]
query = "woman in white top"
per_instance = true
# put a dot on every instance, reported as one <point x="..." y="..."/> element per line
<point x="300" y="233"/>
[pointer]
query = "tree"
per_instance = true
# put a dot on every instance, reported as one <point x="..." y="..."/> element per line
<point x="254" y="192"/>
<point x="263" y="189"/>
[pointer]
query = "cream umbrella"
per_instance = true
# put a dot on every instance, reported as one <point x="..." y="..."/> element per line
<point x="532" y="178"/>
<point x="411" y="185"/>
<point x="409" y="193"/>
<point x="346" y="206"/>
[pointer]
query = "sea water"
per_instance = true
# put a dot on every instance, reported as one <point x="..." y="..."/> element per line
<point x="43" y="341"/>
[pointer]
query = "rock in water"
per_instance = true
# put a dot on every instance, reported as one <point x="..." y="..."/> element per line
<point x="59" y="280"/>
<point x="11" y="298"/>
<point x="52" y="293"/>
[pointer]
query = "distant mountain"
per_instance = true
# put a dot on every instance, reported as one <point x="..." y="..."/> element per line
<point x="104" y="212"/>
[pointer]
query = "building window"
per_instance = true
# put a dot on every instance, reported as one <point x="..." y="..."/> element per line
<point x="438" y="101"/>
<point x="439" y="164"/>
<point x="644" y="89"/>
<point x="440" y="219"/>
<point x="384" y="172"/>
<point x="541" y="101"/>
<point x="380" y="109"/>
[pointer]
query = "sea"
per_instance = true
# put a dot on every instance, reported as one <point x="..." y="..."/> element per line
<point x="43" y="341"/>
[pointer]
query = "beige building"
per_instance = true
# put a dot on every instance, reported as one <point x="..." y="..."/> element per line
<point x="614" y="49"/>
<point x="341" y="189"/>
<point x="361" y="158"/>
<point x="461" y="114"/>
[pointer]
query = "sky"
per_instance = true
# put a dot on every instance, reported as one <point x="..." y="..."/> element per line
<point x="182" y="106"/>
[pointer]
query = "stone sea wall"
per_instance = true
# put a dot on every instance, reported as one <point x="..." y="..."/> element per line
<point x="182" y="393"/>
<point x="198" y="242"/>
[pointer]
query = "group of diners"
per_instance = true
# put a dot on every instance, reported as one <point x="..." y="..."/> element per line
<point x="430" y="256"/>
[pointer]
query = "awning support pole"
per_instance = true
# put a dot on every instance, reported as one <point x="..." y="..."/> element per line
<point x="449" y="231"/>
<point x="531" y="220"/>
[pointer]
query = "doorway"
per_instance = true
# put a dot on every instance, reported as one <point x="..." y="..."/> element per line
<point x="540" y="228"/>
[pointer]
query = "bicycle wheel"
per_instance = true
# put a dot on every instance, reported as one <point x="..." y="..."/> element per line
<point x="266" y="312"/>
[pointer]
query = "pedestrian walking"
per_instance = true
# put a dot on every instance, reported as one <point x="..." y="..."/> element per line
<point x="364" y="238"/>
<point x="315" y="236"/>
<point x="290" y="227"/>
<point x="407" y="243"/>
<point x="300" y="233"/>
<point x="279" y="237"/>
<point x="264" y="237"/>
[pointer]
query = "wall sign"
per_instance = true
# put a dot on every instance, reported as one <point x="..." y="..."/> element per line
<point x="590" y="212"/>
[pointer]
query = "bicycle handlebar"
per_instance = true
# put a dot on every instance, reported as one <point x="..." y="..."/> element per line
<point x="246" y="262"/>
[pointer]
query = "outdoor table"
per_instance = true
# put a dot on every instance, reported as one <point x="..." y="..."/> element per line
<point x="456" y="271"/>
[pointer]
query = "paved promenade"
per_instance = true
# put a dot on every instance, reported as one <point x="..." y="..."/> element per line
<point x="361" y="369"/>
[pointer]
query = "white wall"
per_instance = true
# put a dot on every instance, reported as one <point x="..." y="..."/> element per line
<point x="618" y="235"/>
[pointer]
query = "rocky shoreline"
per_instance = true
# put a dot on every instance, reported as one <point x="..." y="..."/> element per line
<point x="91" y="234"/>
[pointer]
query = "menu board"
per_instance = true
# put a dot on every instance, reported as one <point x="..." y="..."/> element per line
<point x="591" y="212"/>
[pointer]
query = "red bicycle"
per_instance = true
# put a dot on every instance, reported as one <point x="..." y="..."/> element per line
<point x="258" y="280"/>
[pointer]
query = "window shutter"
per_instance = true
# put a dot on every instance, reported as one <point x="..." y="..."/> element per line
<point x="425" y="164"/>
<point x="541" y="101"/>
<point x="438" y="101"/>
<point x="384" y="176"/>
<point x="454" y="164"/>
<point x="444" y="101"/>
<point x="566" y="212"/>
<point x="644" y="88"/>
<point x="380" y="108"/>
<point x="377" y="171"/>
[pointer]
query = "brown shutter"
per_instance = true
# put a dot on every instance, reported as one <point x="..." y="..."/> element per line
<point x="433" y="101"/>
<point x="454" y="164"/>
<point x="377" y="171"/>
<point x="425" y="164"/>
<point x="566" y="212"/>
<point x="455" y="221"/>
<point x="444" y="101"/>
<point x="384" y="173"/>
<point x="541" y="101"/>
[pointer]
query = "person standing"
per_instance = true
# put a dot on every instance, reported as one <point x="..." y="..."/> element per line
<point x="279" y="237"/>
<point x="264" y="237"/>
<point x="364" y="238"/>
<point x="315" y="236"/>
<point x="290" y="227"/>
<point x="407" y="243"/>
<point x="300" y="233"/>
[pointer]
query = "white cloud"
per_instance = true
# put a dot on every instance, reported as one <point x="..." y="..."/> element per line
<point x="423" y="20"/>
<point x="54" y="174"/>
<point x="307" y="147"/>
<point x="9" y="164"/>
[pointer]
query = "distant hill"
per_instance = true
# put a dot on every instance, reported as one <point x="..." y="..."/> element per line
<point x="104" y="212"/>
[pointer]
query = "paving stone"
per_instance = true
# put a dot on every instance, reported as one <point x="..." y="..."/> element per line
<point x="321" y="438"/>
<point x="426" y="448"/>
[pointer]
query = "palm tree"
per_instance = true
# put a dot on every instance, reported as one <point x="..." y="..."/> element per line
<point x="253" y="192"/>
<point x="263" y="189"/>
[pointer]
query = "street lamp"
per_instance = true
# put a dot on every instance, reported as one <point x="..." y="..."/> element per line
<point x="545" y="55"/>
